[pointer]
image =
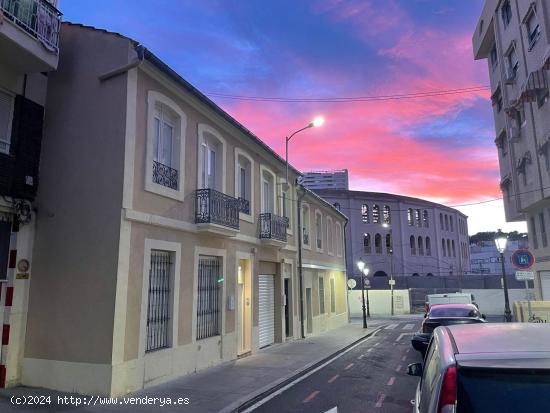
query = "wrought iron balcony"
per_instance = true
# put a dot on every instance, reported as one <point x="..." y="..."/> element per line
<point x="305" y="237"/>
<point x="213" y="207"/>
<point x="244" y="206"/>
<point x="37" y="17"/>
<point x="273" y="227"/>
<point x="165" y="175"/>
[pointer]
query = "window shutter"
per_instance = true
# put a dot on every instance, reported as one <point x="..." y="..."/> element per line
<point x="6" y="104"/>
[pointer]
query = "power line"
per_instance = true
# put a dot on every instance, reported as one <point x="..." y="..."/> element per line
<point x="371" y="98"/>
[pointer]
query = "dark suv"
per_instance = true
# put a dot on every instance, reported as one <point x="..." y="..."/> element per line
<point x="485" y="368"/>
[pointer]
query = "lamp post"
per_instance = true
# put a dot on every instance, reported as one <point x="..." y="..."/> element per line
<point x="500" y="241"/>
<point x="366" y="273"/>
<point x="386" y="225"/>
<point x="318" y="121"/>
<point x="362" y="269"/>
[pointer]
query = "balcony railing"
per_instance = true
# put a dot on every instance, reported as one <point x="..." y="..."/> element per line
<point x="305" y="237"/>
<point x="213" y="207"/>
<point x="273" y="227"/>
<point x="37" y="17"/>
<point x="244" y="206"/>
<point x="165" y="175"/>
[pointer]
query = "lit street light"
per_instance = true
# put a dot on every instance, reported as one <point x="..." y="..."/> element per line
<point x="500" y="241"/>
<point x="363" y="271"/>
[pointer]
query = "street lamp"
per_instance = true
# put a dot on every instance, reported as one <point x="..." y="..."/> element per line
<point x="500" y="241"/>
<point x="315" y="123"/>
<point x="386" y="225"/>
<point x="363" y="271"/>
<point x="366" y="273"/>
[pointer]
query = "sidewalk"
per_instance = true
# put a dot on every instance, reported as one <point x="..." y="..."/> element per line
<point x="225" y="387"/>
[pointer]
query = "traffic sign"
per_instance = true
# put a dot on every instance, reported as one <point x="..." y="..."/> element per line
<point x="525" y="275"/>
<point x="367" y="283"/>
<point x="391" y="282"/>
<point x="523" y="259"/>
<point x="352" y="283"/>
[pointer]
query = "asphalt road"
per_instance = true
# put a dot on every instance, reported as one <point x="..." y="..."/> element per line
<point x="369" y="378"/>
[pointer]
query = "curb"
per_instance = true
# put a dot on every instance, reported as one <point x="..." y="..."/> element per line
<point x="245" y="402"/>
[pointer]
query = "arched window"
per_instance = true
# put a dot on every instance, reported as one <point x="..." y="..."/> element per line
<point x="446" y="222"/>
<point x="387" y="214"/>
<point x="420" y="246"/>
<point x="365" y="213"/>
<point x="380" y="274"/>
<point x="366" y="243"/>
<point x="426" y="219"/>
<point x="416" y="274"/>
<point x="428" y="247"/>
<point x="413" y="245"/>
<point x="378" y="243"/>
<point x="417" y="218"/>
<point x="454" y="250"/>
<point x="429" y="274"/>
<point x="451" y="223"/>
<point x="443" y="247"/>
<point x="388" y="244"/>
<point x="441" y="220"/>
<point x="449" y="248"/>
<point x="375" y="214"/>
<point x="410" y="217"/>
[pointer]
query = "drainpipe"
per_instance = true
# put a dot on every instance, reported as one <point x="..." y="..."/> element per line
<point x="301" y="194"/>
<point x="127" y="67"/>
<point x="346" y="267"/>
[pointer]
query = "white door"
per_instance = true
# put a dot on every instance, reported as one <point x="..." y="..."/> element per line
<point x="267" y="310"/>
<point x="545" y="284"/>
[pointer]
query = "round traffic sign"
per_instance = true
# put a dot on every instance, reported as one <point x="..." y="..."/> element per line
<point x="352" y="283"/>
<point x="522" y="259"/>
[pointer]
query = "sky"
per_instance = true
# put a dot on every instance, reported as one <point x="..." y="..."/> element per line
<point x="438" y="147"/>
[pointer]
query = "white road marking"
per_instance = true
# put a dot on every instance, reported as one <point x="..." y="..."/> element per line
<point x="333" y="378"/>
<point x="408" y="350"/>
<point x="305" y="376"/>
<point x="369" y="350"/>
<point x="403" y="358"/>
<point x="311" y="396"/>
<point x="403" y="334"/>
<point x="391" y="381"/>
<point x="333" y="410"/>
<point x="380" y="400"/>
<point x="349" y="366"/>
<point x="392" y="326"/>
<point x="398" y="368"/>
<point x="360" y="357"/>
<point x="408" y="327"/>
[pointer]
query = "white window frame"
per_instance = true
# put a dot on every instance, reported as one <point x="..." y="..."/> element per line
<point x="532" y="14"/>
<point x="7" y="141"/>
<point x="263" y="209"/>
<point x="240" y="152"/>
<point x="154" y="98"/>
<point x="317" y="232"/>
<point x="330" y="237"/>
<point x="206" y="129"/>
<point x="304" y="207"/>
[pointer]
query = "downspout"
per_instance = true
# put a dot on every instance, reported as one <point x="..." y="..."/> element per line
<point x="127" y="67"/>
<point x="346" y="266"/>
<point x="301" y="194"/>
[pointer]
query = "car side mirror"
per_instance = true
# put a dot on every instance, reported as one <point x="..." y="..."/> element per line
<point x="414" y="369"/>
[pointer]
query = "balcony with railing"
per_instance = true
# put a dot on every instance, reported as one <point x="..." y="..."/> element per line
<point x="244" y="206"/>
<point x="30" y="33"/>
<point x="216" y="212"/>
<point x="273" y="229"/>
<point x="165" y="175"/>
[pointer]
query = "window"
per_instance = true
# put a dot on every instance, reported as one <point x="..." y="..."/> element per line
<point x="426" y="219"/>
<point x="454" y="250"/>
<point x="244" y="186"/>
<point x="449" y="248"/>
<point x="387" y="215"/>
<point x="544" y="239"/>
<point x="497" y="100"/>
<point x="441" y="221"/>
<point x="375" y="214"/>
<point x="410" y="217"/>
<point x="332" y="296"/>
<point x="420" y="246"/>
<point x="365" y="213"/>
<point x="494" y="58"/>
<point x="443" y="247"/>
<point x="268" y="191"/>
<point x="159" y="301"/>
<point x="417" y="218"/>
<point x="366" y="243"/>
<point x="209" y="300"/>
<point x="521" y="120"/>
<point x="413" y="245"/>
<point x="305" y="224"/>
<point x="446" y="222"/>
<point x="451" y="223"/>
<point x="506" y="13"/>
<point x="165" y="158"/>
<point x="512" y="63"/>
<point x="533" y="28"/>
<point x="378" y="243"/>
<point x="6" y="116"/>
<point x="319" y="229"/>
<point x="211" y="159"/>
<point x="330" y="236"/>
<point x="428" y="247"/>
<point x="286" y="205"/>
<point x="321" y="295"/>
<point x="339" y="240"/>
<point x="389" y="247"/>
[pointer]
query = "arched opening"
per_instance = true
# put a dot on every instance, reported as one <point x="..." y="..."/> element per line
<point x="413" y="245"/>
<point x="420" y="246"/>
<point x="366" y="243"/>
<point x="429" y="274"/>
<point x="416" y="274"/>
<point x="380" y="274"/>
<point x="378" y="243"/>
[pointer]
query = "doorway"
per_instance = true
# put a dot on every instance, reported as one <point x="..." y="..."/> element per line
<point x="288" y="307"/>
<point x="308" y="311"/>
<point x="244" y="307"/>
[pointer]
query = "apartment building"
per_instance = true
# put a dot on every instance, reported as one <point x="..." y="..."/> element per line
<point x="400" y="236"/>
<point x="514" y="37"/>
<point x="28" y="53"/>
<point x="167" y="237"/>
<point x="326" y="180"/>
<point x="485" y="258"/>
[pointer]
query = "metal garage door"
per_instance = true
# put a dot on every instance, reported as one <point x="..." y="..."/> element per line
<point x="545" y="284"/>
<point x="267" y="310"/>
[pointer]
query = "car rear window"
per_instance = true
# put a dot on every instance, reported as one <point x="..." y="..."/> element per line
<point x="453" y="312"/>
<point x="503" y="390"/>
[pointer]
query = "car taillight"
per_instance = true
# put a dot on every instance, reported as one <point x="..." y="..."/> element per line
<point x="447" y="396"/>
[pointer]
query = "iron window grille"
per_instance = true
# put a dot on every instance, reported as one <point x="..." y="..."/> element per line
<point x="209" y="284"/>
<point x="165" y="175"/>
<point x="273" y="226"/>
<point x="244" y="206"/>
<point x="214" y="207"/>
<point x="158" y="309"/>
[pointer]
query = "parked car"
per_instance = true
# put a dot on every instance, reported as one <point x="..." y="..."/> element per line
<point x="449" y="298"/>
<point x="444" y="315"/>
<point x="489" y="368"/>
